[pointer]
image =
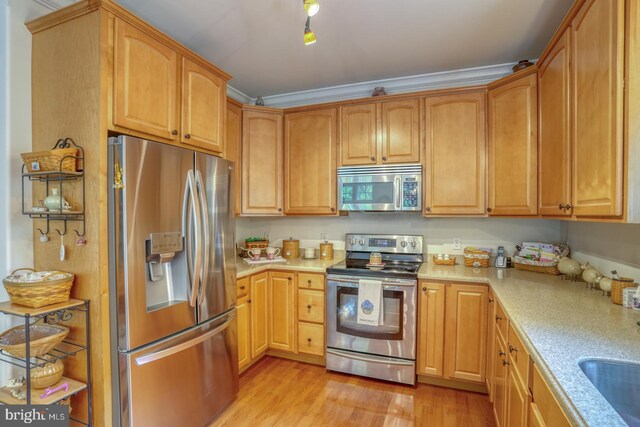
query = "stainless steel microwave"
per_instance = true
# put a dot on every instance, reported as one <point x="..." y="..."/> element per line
<point x="395" y="188"/>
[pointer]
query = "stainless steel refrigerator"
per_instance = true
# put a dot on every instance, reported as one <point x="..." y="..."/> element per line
<point x="172" y="284"/>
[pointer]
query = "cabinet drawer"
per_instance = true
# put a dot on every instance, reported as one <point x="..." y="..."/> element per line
<point x="502" y="322"/>
<point x="242" y="286"/>
<point x="310" y="306"/>
<point x="310" y="338"/>
<point x="310" y="281"/>
<point x="518" y="355"/>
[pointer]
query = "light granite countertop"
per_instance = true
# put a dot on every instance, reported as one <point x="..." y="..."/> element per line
<point x="560" y="323"/>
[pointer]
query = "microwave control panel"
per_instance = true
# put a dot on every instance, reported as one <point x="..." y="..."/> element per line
<point x="410" y="194"/>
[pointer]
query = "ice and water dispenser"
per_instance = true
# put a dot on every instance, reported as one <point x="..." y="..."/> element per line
<point x="166" y="270"/>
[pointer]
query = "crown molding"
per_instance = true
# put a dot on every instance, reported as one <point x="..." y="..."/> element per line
<point x="423" y="82"/>
<point x="54" y="4"/>
<point x="239" y="96"/>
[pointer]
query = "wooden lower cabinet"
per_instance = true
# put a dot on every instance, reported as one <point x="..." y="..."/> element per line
<point x="311" y="338"/>
<point x="466" y="332"/>
<point x="282" y="292"/>
<point x="491" y="333"/>
<point x="535" y="417"/>
<point x="518" y="399"/>
<point x="244" y="331"/>
<point x="259" y="314"/>
<point x="431" y="305"/>
<point x="311" y="306"/>
<point x="548" y="410"/>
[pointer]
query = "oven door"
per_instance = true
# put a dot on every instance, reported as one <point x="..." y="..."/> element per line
<point x="395" y="338"/>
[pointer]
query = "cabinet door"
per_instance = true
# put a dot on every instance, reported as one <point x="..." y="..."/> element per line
<point x="358" y="135"/>
<point x="491" y="334"/>
<point x="310" y="162"/>
<point x="518" y="399"/>
<point x="259" y="314"/>
<point x="554" y="172"/>
<point x="244" y="331"/>
<point x="455" y="157"/>
<point x="311" y="339"/>
<point x="535" y="418"/>
<point x="311" y="306"/>
<point x="233" y="147"/>
<point x="431" y="328"/>
<point x="466" y="332"/>
<point x="400" y="131"/>
<point x="145" y="80"/>
<point x="513" y="148"/>
<point x="261" y="162"/>
<point x="597" y="43"/>
<point x="282" y="322"/>
<point x="204" y="103"/>
<point x="499" y="381"/>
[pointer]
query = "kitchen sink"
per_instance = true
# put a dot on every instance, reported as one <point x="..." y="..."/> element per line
<point x="619" y="383"/>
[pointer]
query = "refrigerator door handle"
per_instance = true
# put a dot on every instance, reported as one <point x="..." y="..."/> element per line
<point x="205" y="232"/>
<point x="191" y="200"/>
<point x="161" y="354"/>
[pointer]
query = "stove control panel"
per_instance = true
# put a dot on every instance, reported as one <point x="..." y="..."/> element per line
<point x="391" y="243"/>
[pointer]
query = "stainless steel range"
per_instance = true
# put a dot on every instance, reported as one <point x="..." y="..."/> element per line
<point x="360" y="340"/>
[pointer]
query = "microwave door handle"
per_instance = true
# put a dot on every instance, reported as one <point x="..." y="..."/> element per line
<point x="205" y="234"/>
<point x="397" y="181"/>
<point x="189" y="218"/>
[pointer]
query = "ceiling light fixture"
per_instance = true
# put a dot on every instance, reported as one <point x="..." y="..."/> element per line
<point x="309" y="36"/>
<point x="311" y="7"/>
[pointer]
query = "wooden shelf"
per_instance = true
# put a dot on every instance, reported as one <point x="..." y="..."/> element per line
<point x="20" y="310"/>
<point x="74" y="387"/>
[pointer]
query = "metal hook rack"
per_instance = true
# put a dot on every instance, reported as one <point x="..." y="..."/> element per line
<point x="56" y="179"/>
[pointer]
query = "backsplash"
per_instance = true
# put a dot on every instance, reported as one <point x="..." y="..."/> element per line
<point x="606" y="246"/>
<point x="438" y="232"/>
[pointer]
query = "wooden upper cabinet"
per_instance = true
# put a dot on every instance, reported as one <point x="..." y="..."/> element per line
<point x="400" y="131"/>
<point x="597" y="51"/>
<point x="233" y="147"/>
<point x="145" y="93"/>
<point x="310" y="158"/>
<point x="204" y="103"/>
<point x="431" y="328"/>
<point x="466" y="332"/>
<point x="554" y="169"/>
<point x="455" y="155"/>
<point x="513" y="147"/>
<point x="261" y="161"/>
<point x="358" y="135"/>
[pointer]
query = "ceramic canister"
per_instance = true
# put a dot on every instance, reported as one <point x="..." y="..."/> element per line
<point x="291" y="248"/>
<point x="326" y="251"/>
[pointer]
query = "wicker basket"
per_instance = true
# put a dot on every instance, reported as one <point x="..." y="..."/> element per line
<point x="256" y="244"/>
<point x="617" y="286"/>
<point x="63" y="159"/>
<point x="476" y="258"/>
<point x="544" y="267"/>
<point x="50" y="289"/>
<point x="450" y="261"/>
<point x="42" y="337"/>
<point x="549" y="269"/>
<point x="47" y="375"/>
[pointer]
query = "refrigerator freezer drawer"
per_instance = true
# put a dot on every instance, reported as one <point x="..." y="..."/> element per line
<point x="183" y="381"/>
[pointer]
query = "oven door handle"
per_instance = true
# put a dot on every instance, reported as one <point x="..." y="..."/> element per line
<point x="364" y="358"/>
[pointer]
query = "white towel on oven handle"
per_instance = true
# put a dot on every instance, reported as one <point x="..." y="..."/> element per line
<point x="370" y="303"/>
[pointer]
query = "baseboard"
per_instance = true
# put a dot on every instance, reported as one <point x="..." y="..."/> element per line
<point x="457" y="384"/>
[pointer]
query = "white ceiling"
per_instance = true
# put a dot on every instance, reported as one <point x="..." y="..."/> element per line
<point x="259" y="42"/>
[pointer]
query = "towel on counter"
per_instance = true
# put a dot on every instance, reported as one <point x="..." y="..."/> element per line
<point x="370" y="303"/>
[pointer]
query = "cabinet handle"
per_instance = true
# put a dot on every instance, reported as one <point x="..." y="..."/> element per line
<point x="289" y="278"/>
<point x="187" y="136"/>
<point x="489" y="210"/>
<point x="242" y="288"/>
<point x="373" y="158"/>
<point x="308" y="339"/>
<point x="568" y="207"/>
<point x="498" y="318"/>
<point x="512" y="349"/>
<point x="562" y="206"/>
<point x="505" y="363"/>
<point x="384" y="158"/>
<point x="333" y="209"/>
<point x="174" y="132"/>
<point x="490" y="300"/>
<point x="309" y="306"/>
<point x="309" y="282"/>
<point x="428" y="209"/>
<point x="279" y="209"/>
<point x="424" y="289"/>
<point x="249" y="300"/>
<point x="501" y="353"/>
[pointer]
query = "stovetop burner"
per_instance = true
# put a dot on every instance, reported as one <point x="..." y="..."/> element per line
<point x="358" y="267"/>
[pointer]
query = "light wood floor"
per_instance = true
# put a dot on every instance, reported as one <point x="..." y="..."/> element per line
<point x="278" y="392"/>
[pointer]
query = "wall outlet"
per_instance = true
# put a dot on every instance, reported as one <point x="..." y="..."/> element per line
<point x="457" y="243"/>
